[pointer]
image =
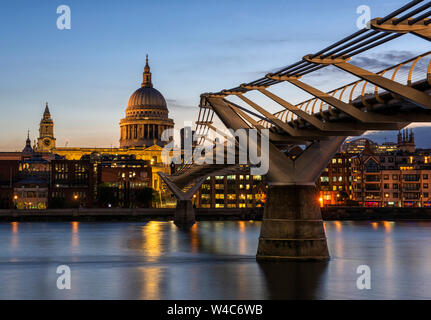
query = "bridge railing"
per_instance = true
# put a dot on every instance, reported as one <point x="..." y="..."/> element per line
<point x="407" y="72"/>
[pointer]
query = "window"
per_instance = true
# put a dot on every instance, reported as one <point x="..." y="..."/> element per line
<point x="334" y="161"/>
<point x="386" y="186"/>
<point x="395" y="194"/>
<point x="340" y="161"/>
<point x="334" y="179"/>
<point x="394" y="177"/>
<point x="411" y="177"/>
<point x="324" y="179"/>
<point x="371" y="166"/>
<point x="426" y="195"/>
<point x="395" y="186"/>
<point x="386" y="177"/>
<point x="425" y="185"/>
<point x="425" y="177"/>
<point x="340" y="179"/>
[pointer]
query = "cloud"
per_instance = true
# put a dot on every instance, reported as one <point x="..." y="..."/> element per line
<point x="380" y="61"/>
<point x="176" y="104"/>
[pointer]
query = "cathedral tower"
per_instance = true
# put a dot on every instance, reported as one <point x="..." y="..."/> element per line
<point x="46" y="140"/>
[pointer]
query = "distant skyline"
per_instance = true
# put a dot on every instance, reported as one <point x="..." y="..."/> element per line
<point x="88" y="73"/>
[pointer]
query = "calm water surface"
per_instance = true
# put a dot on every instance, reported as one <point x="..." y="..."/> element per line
<point x="214" y="260"/>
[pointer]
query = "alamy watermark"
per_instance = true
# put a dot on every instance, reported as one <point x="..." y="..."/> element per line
<point x="64" y="21"/>
<point x="251" y="148"/>
<point x="363" y="20"/>
<point x="364" y="280"/>
<point x="64" y="280"/>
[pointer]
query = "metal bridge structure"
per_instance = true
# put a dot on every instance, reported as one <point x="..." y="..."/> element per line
<point x="389" y="99"/>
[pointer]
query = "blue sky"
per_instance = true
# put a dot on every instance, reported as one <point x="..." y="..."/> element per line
<point x="88" y="73"/>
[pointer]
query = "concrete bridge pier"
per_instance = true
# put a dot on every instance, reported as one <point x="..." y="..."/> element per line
<point x="292" y="227"/>
<point x="184" y="213"/>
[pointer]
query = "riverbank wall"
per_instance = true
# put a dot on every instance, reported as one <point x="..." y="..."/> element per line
<point x="119" y="214"/>
<point x="359" y="213"/>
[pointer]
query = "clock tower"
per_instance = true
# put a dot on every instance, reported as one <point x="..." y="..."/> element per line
<point x="46" y="140"/>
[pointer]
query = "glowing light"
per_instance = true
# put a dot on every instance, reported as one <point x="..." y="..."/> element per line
<point x="75" y="226"/>
<point x="388" y="226"/>
<point x="14" y="227"/>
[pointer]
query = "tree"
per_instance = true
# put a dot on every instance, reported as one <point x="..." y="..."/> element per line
<point x="106" y="195"/>
<point x="57" y="203"/>
<point x="4" y="203"/>
<point x="145" y="197"/>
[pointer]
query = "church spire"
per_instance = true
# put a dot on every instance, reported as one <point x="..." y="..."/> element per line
<point x="28" y="149"/>
<point x="147" y="76"/>
<point x="46" y="113"/>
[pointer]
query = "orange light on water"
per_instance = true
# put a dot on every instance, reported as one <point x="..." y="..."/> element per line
<point x="75" y="226"/>
<point x="14" y="227"/>
<point x="388" y="226"/>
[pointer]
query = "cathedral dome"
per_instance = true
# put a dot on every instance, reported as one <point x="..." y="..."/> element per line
<point x="147" y="97"/>
<point x="147" y="116"/>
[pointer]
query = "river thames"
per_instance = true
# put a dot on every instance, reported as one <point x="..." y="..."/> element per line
<point x="214" y="260"/>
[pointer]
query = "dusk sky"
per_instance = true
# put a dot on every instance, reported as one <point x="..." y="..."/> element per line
<point x="88" y="73"/>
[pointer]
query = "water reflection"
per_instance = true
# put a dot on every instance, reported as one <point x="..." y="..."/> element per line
<point x="75" y="236"/>
<point x="14" y="240"/>
<point x="212" y="260"/>
<point x="293" y="280"/>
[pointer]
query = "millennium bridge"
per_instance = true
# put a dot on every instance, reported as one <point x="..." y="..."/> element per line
<point x="389" y="99"/>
